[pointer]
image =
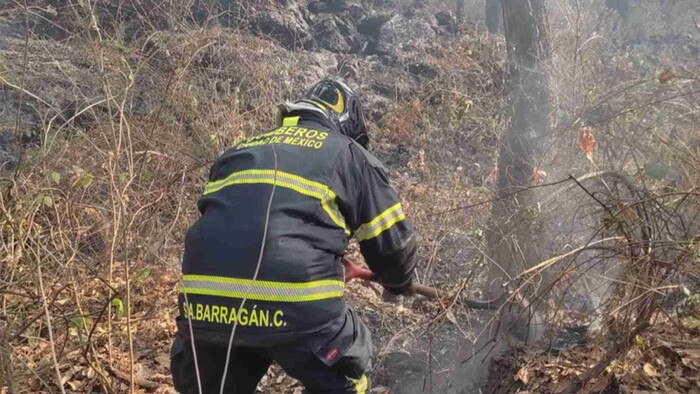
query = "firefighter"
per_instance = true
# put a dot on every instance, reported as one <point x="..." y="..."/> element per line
<point x="262" y="272"/>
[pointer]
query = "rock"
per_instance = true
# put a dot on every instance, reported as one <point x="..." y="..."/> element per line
<point x="447" y="21"/>
<point x="423" y="70"/>
<point x="318" y="7"/>
<point x="286" y="25"/>
<point x="333" y="33"/>
<point x="370" y="25"/>
<point x="53" y="72"/>
<point x="400" y="34"/>
<point x="384" y="89"/>
<point x="329" y="6"/>
<point x="321" y="64"/>
<point x="355" y="10"/>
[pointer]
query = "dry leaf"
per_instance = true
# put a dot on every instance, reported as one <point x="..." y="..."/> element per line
<point x="537" y="176"/>
<point x="692" y="353"/>
<point x="630" y="214"/>
<point x="649" y="370"/>
<point x="599" y="384"/>
<point x="451" y="316"/>
<point x="492" y="176"/>
<point x="163" y="360"/>
<point x="666" y="75"/>
<point x="586" y="141"/>
<point x="523" y="375"/>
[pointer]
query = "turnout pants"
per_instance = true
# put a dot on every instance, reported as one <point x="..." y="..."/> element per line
<point x="335" y="360"/>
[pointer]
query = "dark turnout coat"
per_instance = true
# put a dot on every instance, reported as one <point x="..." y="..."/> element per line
<point x="327" y="189"/>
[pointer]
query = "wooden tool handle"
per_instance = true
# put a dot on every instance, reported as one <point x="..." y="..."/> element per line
<point x="425" y="291"/>
<point x="353" y="271"/>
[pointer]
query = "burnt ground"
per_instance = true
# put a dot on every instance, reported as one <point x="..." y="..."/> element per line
<point x="203" y="78"/>
<point x="427" y="84"/>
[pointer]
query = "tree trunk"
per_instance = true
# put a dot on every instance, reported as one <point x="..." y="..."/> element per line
<point x="459" y="10"/>
<point x="493" y="15"/>
<point x="515" y="237"/>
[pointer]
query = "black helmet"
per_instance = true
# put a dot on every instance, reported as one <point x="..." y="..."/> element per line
<point x="338" y="103"/>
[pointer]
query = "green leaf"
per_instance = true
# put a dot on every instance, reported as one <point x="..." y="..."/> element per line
<point x="146" y="175"/>
<point x="56" y="177"/>
<point x="119" y="306"/>
<point x="80" y="322"/>
<point x="86" y="180"/>
<point x="76" y="322"/>
<point x="143" y="274"/>
<point x="48" y="201"/>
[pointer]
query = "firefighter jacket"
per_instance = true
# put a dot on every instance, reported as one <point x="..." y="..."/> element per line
<point x="327" y="189"/>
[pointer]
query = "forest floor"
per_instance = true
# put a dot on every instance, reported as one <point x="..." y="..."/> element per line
<point x="111" y="117"/>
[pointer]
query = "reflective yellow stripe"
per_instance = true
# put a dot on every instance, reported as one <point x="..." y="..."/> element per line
<point x="320" y="105"/>
<point x="381" y="223"/>
<point x="361" y="384"/>
<point x="261" y="297"/>
<point x="261" y="290"/>
<point x="265" y="283"/>
<point x="290" y="121"/>
<point x="394" y="208"/>
<point x="286" y="180"/>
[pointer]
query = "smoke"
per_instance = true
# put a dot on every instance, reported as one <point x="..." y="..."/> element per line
<point x="628" y="73"/>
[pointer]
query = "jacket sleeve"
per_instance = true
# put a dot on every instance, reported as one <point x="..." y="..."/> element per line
<point x="374" y="214"/>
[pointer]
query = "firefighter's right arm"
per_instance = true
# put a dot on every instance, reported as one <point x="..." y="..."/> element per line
<point x="379" y="223"/>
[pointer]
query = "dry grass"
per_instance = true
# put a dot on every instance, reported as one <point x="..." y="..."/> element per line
<point x="128" y="125"/>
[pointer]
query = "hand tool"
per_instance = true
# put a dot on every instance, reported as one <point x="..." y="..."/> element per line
<point x="353" y="271"/>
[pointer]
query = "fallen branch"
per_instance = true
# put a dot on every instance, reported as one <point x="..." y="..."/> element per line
<point x="145" y="383"/>
<point x="549" y="262"/>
